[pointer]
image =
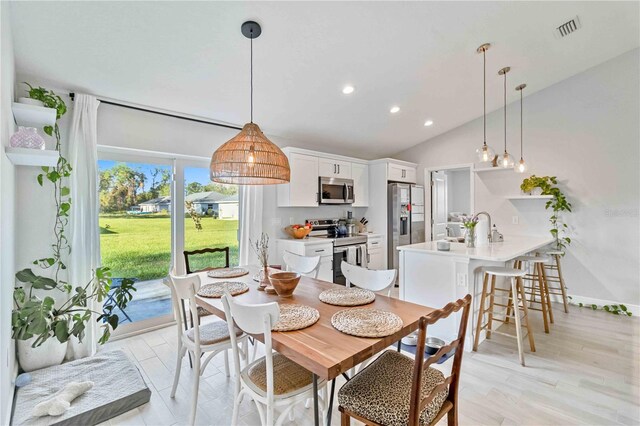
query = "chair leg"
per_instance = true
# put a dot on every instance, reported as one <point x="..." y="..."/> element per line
<point x="176" y="376"/>
<point x="480" y="312"/>
<point x="196" y="386"/>
<point x="226" y="363"/>
<point x="345" y="420"/>
<point x="491" y="297"/>
<point x="517" y="318"/>
<point x="562" y="287"/>
<point x="236" y="407"/>
<point x="532" y="345"/>
<point x="543" y="299"/>
<point x="452" y="416"/>
<point x="546" y="293"/>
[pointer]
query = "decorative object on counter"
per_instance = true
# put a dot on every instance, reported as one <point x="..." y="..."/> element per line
<point x="558" y="204"/>
<point x="484" y="153"/>
<point x="250" y="158"/>
<point x="470" y="226"/>
<point x="522" y="166"/>
<point x="284" y="282"/>
<point x="506" y="161"/>
<point x="261" y="248"/>
<point x="347" y="296"/>
<point x="296" y="317"/>
<point x="299" y="231"/>
<point x="366" y="322"/>
<point x="216" y="290"/>
<point x="496" y="236"/>
<point x="30" y="101"/>
<point x="27" y="137"/>
<point x="443" y="245"/>
<point x="227" y="272"/>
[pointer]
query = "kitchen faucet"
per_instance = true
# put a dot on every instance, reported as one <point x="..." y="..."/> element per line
<point x="488" y="217"/>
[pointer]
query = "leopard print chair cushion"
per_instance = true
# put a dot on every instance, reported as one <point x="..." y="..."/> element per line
<point x="381" y="391"/>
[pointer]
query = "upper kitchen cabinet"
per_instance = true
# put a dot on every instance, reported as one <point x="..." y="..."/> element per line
<point x="330" y="167"/>
<point x="401" y="172"/>
<point x="360" y="176"/>
<point x="302" y="190"/>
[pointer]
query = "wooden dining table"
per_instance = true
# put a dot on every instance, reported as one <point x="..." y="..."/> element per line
<point x="320" y="348"/>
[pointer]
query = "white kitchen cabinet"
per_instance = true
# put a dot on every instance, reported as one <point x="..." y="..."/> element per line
<point x="401" y="173"/>
<point x="328" y="167"/>
<point x="302" y="191"/>
<point x="325" y="270"/>
<point x="360" y="176"/>
<point x="376" y="252"/>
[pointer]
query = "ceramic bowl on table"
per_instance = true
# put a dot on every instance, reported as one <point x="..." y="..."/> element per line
<point x="284" y="282"/>
<point x="298" y="231"/>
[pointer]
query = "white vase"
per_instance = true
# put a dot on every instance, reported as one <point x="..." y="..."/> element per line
<point x="30" y="101"/>
<point x="51" y="352"/>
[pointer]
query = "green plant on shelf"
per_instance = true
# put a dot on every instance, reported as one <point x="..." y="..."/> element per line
<point x="558" y="203"/>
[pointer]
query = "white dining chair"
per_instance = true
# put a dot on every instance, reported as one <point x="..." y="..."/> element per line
<point x="369" y="279"/>
<point x="212" y="337"/>
<point x="272" y="381"/>
<point x="304" y="265"/>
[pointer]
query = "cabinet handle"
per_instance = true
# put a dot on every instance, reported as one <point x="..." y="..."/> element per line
<point x="373" y="244"/>
<point x="338" y="168"/>
<point x="320" y="251"/>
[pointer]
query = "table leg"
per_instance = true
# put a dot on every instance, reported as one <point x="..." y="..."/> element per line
<point x="399" y="345"/>
<point x="330" y="408"/>
<point x="316" y="414"/>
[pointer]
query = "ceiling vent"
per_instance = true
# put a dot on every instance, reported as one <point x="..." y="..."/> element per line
<point x="568" y="27"/>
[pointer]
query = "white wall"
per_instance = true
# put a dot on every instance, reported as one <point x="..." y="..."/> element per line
<point x="584" y="130"/>
<point x="8" y="365"/>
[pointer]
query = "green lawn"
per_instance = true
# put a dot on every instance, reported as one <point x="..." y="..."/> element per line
<point x="140" y="246"/>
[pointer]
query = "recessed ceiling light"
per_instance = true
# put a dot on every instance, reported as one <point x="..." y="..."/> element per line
<point x="347" y="90"/>
<point x="428" y="123"/>
<point x="394" y="109"/>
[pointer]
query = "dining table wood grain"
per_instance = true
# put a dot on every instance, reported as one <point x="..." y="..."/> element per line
<point x="321" y="348"/>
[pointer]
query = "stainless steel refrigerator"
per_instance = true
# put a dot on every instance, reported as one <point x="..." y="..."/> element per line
<point x="405" y="218"/>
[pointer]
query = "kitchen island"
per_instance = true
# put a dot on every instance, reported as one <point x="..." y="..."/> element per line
<point x="434" y="278"/>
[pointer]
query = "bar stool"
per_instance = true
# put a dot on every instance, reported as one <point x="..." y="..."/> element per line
<point x="516" y="288"/>
<point x="556" y="277"/>
<point x="538" y="287"/>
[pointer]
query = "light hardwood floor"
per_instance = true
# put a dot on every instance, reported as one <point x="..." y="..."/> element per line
<point x="586" y="371"/>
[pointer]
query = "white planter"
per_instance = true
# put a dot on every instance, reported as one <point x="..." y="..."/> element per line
<point x="49" y="353"/>
<point x="534" y="191"/>
<point x="30" y="101"/>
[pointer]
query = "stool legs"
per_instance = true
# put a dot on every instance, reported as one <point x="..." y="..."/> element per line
<point x="485" y="281"/>
<point x="543" y="275"/>
<point x="532" y="345"/>
<point x="543" y="297"/>
<point x="491" y="305"/>
<point x="515" y="291"/>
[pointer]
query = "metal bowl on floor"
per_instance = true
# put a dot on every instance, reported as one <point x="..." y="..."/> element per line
<point x="433" y="344"/>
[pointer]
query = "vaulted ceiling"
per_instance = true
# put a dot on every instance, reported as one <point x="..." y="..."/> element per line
<point x="190" y="57"/>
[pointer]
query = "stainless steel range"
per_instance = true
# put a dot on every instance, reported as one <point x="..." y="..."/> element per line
<point x="349" y="248"/>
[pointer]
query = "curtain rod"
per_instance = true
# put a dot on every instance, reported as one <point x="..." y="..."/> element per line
<point x="166" y="114"/>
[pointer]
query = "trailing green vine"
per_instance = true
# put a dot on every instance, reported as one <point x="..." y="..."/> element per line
<point x="55" y="175"/>
<point x="558" y="204"/>
<point x="618" y="309"/>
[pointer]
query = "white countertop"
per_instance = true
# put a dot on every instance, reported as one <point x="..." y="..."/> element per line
<point x="512" y="247"/>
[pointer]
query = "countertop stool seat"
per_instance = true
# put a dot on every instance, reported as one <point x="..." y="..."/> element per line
<point x="555" y="280"/>
<point x="515" y="277"/>
<point x="535" y="286"/>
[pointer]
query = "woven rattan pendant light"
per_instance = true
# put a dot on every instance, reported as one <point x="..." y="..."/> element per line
<point x="249" y="158"/>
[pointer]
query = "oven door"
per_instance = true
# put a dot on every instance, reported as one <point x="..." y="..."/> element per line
<point x="336" y="191"/>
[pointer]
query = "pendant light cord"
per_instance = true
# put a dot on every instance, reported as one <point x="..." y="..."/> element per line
<point x="251" y="76"/>
<point x="484" y="94"/>
<point x="521" y="149"/>
<point x="505" y="112"/>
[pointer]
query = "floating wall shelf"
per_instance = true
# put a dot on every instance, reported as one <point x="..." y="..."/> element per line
<point x="530" y="197"/>
<point x="492" y="169"/>
<point x="33" y="115"/>
<point x="32" y="157"/>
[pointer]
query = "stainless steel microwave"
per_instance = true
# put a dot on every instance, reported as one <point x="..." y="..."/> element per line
<point x="336" y="191"/>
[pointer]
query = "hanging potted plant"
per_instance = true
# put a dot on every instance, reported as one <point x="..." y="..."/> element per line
<point x="558" y="203"/>
<point x="36" y="318"/>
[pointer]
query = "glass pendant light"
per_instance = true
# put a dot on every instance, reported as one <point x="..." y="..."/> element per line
<point x="250" y="158"/>
<point x="522" y="166"/>
<point x="485" y="153"/>
<point x="506" y="160"/>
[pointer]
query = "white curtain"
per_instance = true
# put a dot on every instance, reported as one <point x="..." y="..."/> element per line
<point x="250" y="223"/>
<point x="84" y="233"/>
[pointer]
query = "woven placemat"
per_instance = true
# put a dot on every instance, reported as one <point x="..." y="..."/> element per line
<point x="366" y="322"/>
<point x="216" y="290"/>
<point x="296" y="317"/>
<point x="227" y="272"/>
<point x="347" y="296"/>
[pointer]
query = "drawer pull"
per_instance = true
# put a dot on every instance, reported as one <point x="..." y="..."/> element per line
<point x="319" y="251"/>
